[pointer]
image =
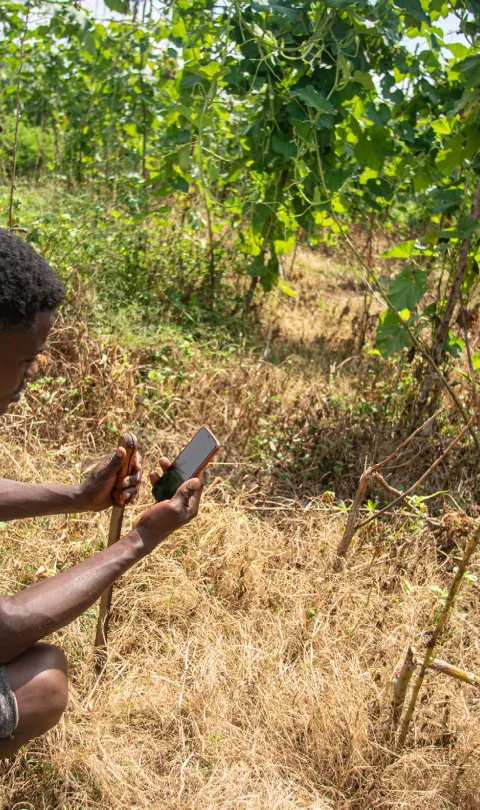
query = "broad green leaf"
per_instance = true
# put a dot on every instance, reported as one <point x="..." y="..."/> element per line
<point x="368" y="150"/>
<point x="444" y="199"/>
<point x="277" y="8"/>
<point x="401" y="251"/>
<point x="476" y="361"/>
<point x="421" y="182"/>
<point x="453" y="345"/>
<point x="285" y="288"/>
<point x="459" y="51"/>
<point x="391" y="335"/>
<point x="284" y="246"/>
<point x="257" y="266"/>
<point x="451" y="157"/>
<point x="380" y="116"/>
<point x="178" y="28"/>
<point x="407" y="288"/>
<point x="442" y="126"/>
<point x="364" y="79"/>
<point x="283" y="146"/>
<point x="117" y="5"/>
<point x="470" y="69"/>
<point x="413" y="8"/>
<point x="313" y="98"/>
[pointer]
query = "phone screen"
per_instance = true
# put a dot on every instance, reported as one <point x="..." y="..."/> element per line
<point x="185" y="465"/>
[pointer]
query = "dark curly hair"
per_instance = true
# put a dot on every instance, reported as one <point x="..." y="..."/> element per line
<point x="28" y="284"/>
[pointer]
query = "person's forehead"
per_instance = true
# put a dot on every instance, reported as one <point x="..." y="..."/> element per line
<point x="27" y="342"/>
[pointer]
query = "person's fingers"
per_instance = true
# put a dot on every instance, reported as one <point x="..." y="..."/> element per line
<point x="114" y="463"/>
<point x="138" y="461"/>
<point x="132" y="480"/>
<point x="165" y="463"/>
<point x="188" y="490"/>
<point x="129" y="495"/>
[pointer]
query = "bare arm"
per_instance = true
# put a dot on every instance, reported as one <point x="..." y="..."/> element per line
<point x="47" y="606"/>
<point x="19" y="500"/>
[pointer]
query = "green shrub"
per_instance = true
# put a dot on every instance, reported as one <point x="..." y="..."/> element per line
<point x="35" y="149"/>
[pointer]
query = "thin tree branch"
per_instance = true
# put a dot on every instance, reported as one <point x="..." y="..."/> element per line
<point x="422" y="478"/>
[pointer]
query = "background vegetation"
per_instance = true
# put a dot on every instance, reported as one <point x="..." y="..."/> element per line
<point x="266" y="216"/>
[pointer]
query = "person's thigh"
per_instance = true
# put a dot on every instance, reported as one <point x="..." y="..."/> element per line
<point x="38" y="679"/>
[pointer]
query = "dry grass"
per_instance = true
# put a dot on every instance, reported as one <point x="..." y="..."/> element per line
<point x="243" y="673"/>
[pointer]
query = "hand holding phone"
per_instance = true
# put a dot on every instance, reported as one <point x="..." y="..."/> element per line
<point x="188" y="464"/>
<point x="161" y="519"/>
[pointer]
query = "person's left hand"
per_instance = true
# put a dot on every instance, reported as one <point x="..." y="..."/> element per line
<point x="96" y="490"/>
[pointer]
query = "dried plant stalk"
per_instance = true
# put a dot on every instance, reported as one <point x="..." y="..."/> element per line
<point x="422" y="478"/>
<point x="344" y="543"/>
<point x="391" y="491"/>
<point x="454" y="672"/>
<point x="401" y="681"/>
<point x="442" y="619"/>
<point x="351" y="527"/>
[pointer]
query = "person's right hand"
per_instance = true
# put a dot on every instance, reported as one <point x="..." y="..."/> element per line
<point x="166" y="517"/>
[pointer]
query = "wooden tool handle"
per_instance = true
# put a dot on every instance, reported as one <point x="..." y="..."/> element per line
<point x="130" y="442"/>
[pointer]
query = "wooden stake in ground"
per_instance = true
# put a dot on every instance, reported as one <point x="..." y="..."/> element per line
<point x="401" y="682"/>
<point x="442" y="619"/>
<point x="130" y="443"/>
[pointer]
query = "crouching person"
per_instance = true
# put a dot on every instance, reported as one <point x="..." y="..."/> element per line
<point x="33" y="674"/>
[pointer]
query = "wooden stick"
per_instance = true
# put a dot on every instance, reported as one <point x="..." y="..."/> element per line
<point x="344" y="543"/>
<point x="392" y="492"/>
<point x="407" y="441"/>
<point x="442" y="619"/>
<point x="454" y="672"/>
<point x="130" y="443"/>
<point x="401" y="681"/>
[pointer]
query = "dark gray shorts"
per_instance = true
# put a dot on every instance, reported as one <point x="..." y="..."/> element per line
<point x="8" y="707"/>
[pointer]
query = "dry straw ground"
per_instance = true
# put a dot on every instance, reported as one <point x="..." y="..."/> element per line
<point x="243" y="673"/>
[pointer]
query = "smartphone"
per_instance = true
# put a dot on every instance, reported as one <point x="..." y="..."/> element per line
<point x="191" y="461"/>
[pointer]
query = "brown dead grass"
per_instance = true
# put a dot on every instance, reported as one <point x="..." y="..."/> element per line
<point x="243" y="674"/>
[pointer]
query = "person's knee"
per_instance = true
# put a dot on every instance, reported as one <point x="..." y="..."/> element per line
<point x="51" y="681"/>
<point x="38" y="678"/>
